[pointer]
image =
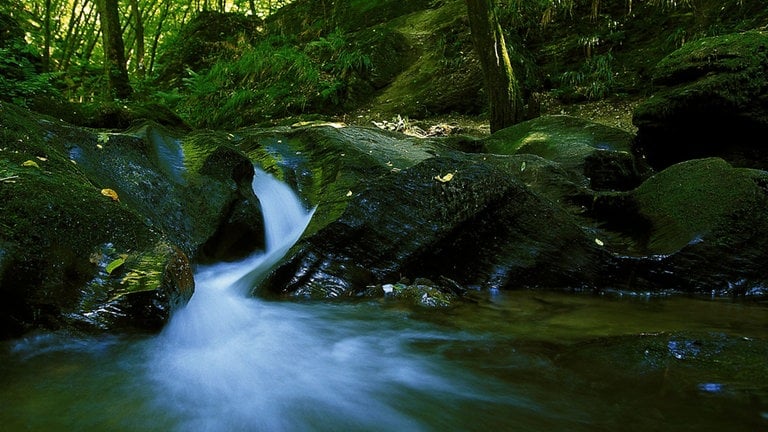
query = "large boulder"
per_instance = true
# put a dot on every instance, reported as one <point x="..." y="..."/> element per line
<point x="98" y="227"/>
<point x="459" y="216"/>
<point x="711" y="100"/>
<point x="698" y="226"/>
<point x="595" y="156"/>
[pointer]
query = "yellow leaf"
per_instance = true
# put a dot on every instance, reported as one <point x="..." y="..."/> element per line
<point x="30" y="163"/>
<point x="599" y="242"/>
<point x="349" y="193"/>
<point x="444" y="179"/>
<point x="110" y="193"/>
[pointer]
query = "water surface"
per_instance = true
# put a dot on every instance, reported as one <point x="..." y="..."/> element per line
<point x="530" y="361"/>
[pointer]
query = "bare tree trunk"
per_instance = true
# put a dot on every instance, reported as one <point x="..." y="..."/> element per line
<point x="114" y="51"/>
<point x="139" y="32"/>
<point x="47" y="36"/>
<point x="500" y="82"/>
<point x="156" y="39"/>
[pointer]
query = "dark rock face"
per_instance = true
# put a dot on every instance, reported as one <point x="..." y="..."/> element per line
<point x="481" y="227"/>
<point x="525" y="221"/>
<point x="712" y="100"/>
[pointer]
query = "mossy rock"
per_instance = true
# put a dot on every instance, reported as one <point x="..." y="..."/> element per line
<point x="98" y="225"/>
<point x="56" y="227"/>
<point x="598" y="156"/>
<point x="329" y="163"/>
<point x="698" y="226"/>
<point x="710" y="102"/>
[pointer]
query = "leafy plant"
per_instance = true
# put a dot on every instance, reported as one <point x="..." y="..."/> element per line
<point x="273" y="78"/>
<point x="593" y="81"/>
<point x="19" y="79"/>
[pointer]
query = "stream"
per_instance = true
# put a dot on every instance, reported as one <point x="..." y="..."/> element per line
<point x="520" y="360"/>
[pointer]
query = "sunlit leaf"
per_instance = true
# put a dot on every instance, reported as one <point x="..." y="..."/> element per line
<point x="30" y="163"/>
<point x="114" y="264"/>
<point x="599" y="242"/>
<point x="444" y="179"/>
<point x="110" y="193"/>
<point x="103" y="137"/>
<point x="349" y="193"/>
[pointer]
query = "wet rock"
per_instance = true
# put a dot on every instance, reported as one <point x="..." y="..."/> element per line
<point x="698" y="226"/>
<point x="711" y="100"/>
<point x="97" y="227"/>
<point x="479" y="227"/>
<point x="598" y="157"/>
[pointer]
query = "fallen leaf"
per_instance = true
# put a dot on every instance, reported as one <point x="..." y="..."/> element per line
<point x="444" y="179"/>
<point x="349" y="193"/>
<point x="30" y="163"/>
<point x="114" y="264"/>
<point x="599" y="242"/>
<point x="110" y="193"/>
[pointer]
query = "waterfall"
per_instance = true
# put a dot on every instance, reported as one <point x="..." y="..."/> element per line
<point x="217" y="303"/>
<point x="230" y="361"/>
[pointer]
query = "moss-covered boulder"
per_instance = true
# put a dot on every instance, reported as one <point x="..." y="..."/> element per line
<point x="73" y="254"/>
<point x="97" y="226"/>
<point x="711" y="100"/>
<point x="329" y="163"/>
<point x="698" y="226"/>
<point x="596" y="156"/>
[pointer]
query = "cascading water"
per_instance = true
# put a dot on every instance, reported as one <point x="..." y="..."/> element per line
<point x="228" y="361"/>
<point x="532" y="361"/>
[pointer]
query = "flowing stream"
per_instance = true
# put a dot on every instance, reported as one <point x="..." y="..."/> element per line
<point x="514" y="361"/>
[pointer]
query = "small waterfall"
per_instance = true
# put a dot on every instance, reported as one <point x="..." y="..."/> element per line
<point x="229" y="361"/>
<point x="217" y="303"/>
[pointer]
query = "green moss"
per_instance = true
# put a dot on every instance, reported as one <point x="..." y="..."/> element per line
<point x="690" y="199"/>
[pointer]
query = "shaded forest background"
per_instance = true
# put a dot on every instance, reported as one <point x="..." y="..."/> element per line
<point x="227" y="64"/>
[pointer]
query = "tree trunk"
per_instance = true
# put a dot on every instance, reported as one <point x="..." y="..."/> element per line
<point x="47" y="36"/>
<point x="114" y="51"/>
<point x="139" y="31"/>
<point x="500" y="83"/>
<point x="156" y="39"/>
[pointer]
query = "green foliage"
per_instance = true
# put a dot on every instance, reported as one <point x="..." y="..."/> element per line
<point x="593" y="81"/>
<point x="19" y="79"/>
<point x="274" y="78"/>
